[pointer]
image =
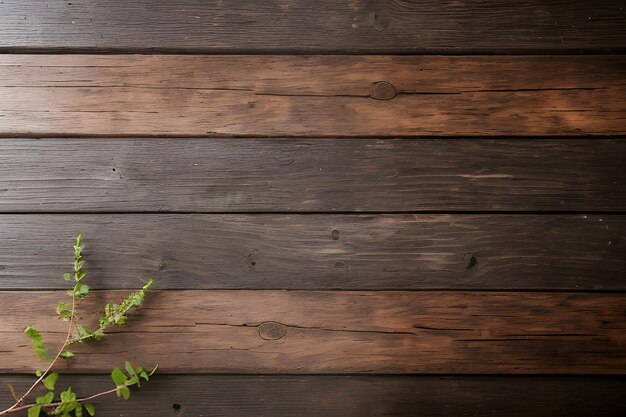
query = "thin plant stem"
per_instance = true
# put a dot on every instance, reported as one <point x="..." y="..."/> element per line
<point x="80" y="400"/>
<point x="114" y="314"/>
<point x="15" y="407"/>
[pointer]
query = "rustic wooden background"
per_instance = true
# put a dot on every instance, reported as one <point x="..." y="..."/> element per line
<point x="353" y="208"/>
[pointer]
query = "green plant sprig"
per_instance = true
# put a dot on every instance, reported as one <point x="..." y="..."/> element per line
<point x="69" y="405"/>
<point x="40" y="349"/>
<point x="113" y="314"/>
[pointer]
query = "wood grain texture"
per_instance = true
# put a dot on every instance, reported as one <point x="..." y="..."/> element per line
<point x="338" y="332"/>
<point x="352" y="396"/>
<point x="563" y="252"/>
<point x="320" y="175"/>
<point x="165" y="95"/>
<point x="363" y="26"/>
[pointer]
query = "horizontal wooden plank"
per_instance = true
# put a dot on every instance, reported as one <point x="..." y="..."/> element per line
<point x="311" y="96"/>
<point x="324" y="26"/>
<point x="565" y="252"/>
<point x="337" y="332"/>
<point x="321" y="175"/>
<point x="352" y="396"/>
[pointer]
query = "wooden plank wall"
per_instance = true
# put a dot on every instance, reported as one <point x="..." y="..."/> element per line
<point x="364" y="208"/>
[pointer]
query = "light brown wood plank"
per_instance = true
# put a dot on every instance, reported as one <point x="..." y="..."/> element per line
<point x="363" y="26"/>
<point x="317" y="175"/>
<point x="339" y="332"/>
<point x="311" y="96"/>
<point x="351" y="396"/>
<point x="564" y="252"/>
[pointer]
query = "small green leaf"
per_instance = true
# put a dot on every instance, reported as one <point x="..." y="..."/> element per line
<point x="66" y="276"/>
<point x="84" y="332"/>
<point x="79" y="239"/>
<point x="38" y="345"/>
<point x="68" y="396"/>
<point x="118" y="377"/>
<point x="67" y="354"/>
<point x="45" y="399"/>
<point x="38" y="372"/>
<point x="98" y="334"/>
<point x="90" y="409"/>
<point x="80" y="275"/>
<point x="81" y="290"/>
<point x="78" y="265"/>
<point x="137" y="299"/>
<point x="123" y="392"/>
<point x="34" y="411"/>
<point x="50" y="380"/>
<point x="134" y="378"/>
<point x="62" y="311"/>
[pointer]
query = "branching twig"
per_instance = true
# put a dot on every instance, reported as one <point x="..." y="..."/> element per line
<point x="68" y="404"/>
<point x="58" y="355"/>
<point x="80" y="400"/>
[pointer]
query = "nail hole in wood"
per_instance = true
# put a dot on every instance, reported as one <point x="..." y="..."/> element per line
<point x="335" y="234"/>
<point x="176" y="407"/>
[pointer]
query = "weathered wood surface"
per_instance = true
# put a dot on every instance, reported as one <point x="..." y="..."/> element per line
<point x="404" y="251"/>
<point x="320" y="175"/>
<point x="364" y="26"/>
<point x="338" y="332"/>
<point x="311" y="96"/>
<point x="352" y="396"/>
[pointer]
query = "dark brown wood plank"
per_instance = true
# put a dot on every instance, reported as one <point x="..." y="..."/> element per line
<point x="353" y="396"/>
<point x="564" y="252"/>
<point x="337" y="332"/>
<point x="363" y="26"/>
<point x="321" y="175"/>
<point x="276" y="96"/>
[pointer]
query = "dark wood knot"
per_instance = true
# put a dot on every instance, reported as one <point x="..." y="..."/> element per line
<point x="251" y="260"/>
<point x="379" y="20"/>
<point x="271" y="330"/>
<point x="470" y="261"/>
<point x="382" y="90"/>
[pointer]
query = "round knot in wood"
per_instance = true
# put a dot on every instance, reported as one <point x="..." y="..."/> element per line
<point x="383" y="90"/>
<point x="379" y="20"/>
<point x="271" y="330"/>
